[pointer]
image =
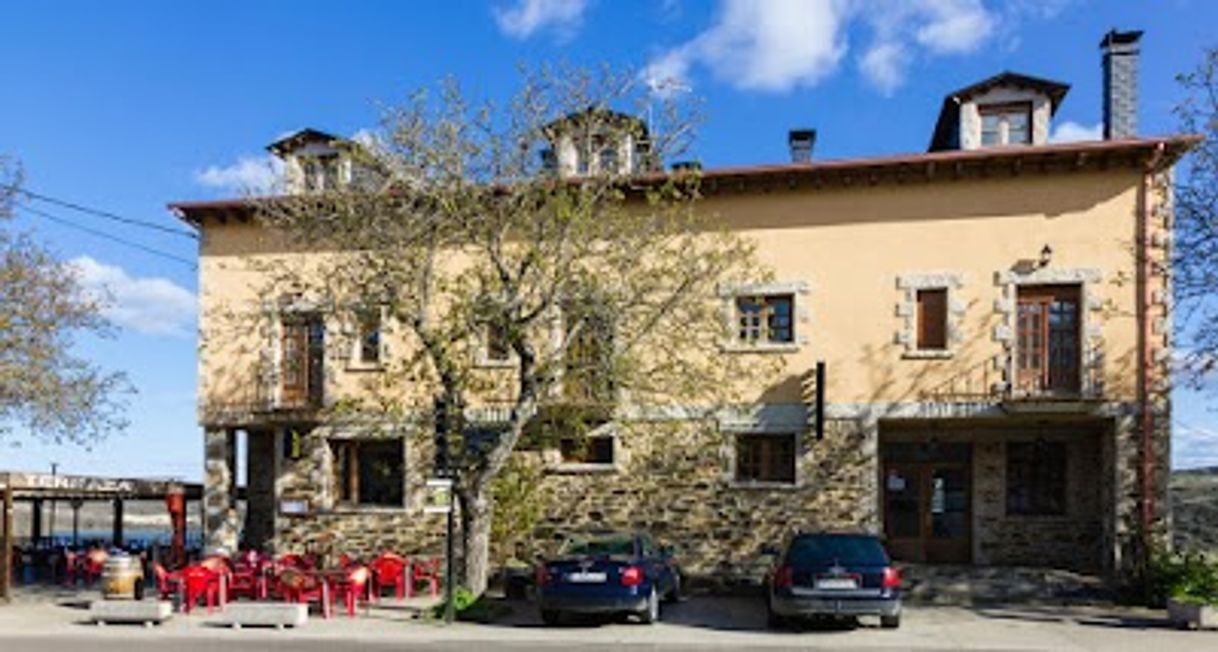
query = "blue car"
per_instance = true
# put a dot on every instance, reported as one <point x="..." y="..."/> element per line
<point x="834" y="575"/>
<point x="608" y="573"/>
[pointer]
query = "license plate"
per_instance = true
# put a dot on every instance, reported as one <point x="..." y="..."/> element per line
<point x="586" y="578"/>
<point x="837" y="583"/>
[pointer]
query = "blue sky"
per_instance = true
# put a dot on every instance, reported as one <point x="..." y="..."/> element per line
<point x="128" y="105"/>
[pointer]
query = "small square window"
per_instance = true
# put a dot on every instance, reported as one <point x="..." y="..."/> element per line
<point x="586" y="450"/>
<point x="497" y="347"/>
<point x="608" y="160"/>
<point x="765" y="458"/>
<point x="368" y="472"/>
<point x="766" y="319"/>
<point x="932" y="320"/>
<point x="1006" y="124"/>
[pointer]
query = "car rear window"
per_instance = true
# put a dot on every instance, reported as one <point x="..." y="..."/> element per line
<point x="845" y="550"/>
<point x="611" y="545"/>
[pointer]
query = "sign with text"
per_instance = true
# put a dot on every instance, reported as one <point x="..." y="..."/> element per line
<point x="438" y="499"/>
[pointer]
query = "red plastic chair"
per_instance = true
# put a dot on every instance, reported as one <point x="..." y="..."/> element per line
<point x="352" y="588"/>
<point x="301" y="586"/>
<point x="71" y="567"/>
<point x="168" y="583"/>
<point x="93" y="564"/>
<point x="201" y="582"/>
<point x="425" y="570"/>
<point x="389" y="570"/>
<point x="293" y="560"/>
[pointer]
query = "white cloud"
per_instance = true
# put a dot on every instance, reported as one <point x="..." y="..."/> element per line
<point x="150" y="305"/>
<point x="527" y="17"/>
<point x="1194" y="446"/>
<point x="772" y="45"/>
<point x="1069" y="132"/>
<point x="884" y="66"/>
<point x="777" y="45"/>
<point x="951" y="26"/>
<point x="256" y="175"/>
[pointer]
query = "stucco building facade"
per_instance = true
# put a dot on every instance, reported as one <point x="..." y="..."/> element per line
<point x="993" y="317"/>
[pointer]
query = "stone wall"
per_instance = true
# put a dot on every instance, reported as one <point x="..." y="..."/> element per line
<point x="672" y="480"/>
<point x="1067" y="541"/>
<point x="675" y="480"/>
<point x="676" y="484"/>
<point x="333" y="529"/>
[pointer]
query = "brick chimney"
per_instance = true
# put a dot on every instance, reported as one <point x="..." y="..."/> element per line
<point x="1120" y="84"/>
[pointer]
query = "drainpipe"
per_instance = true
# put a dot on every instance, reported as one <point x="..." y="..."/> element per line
<point x="1145" y="270"/>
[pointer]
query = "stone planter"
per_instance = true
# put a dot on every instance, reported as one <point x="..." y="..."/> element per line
<point x="1192" y="616"/>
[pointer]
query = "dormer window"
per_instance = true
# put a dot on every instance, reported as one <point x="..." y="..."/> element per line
<point x="608" y="159"/>
<point x="1006" y="109"/>
<point x="1006" y="124"/>
<point x="321" y="172"/>
<point x="596" y="142"/>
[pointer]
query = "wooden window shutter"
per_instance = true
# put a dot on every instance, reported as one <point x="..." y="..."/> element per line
<point x="932" y="319"/>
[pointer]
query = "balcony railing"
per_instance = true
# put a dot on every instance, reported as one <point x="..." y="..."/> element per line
<point x="987" y="383"/>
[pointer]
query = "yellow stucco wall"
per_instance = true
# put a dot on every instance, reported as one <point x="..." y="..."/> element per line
<point x="849" y="245"/>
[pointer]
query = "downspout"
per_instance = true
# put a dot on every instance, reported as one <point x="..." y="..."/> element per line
<point x="1145" y="270"/>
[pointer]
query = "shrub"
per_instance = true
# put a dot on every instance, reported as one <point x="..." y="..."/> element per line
<point x="1188" y="577"/>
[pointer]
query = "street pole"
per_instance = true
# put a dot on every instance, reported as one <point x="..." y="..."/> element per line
<point x="449" y="607"/>
<point x="443" y="423"/>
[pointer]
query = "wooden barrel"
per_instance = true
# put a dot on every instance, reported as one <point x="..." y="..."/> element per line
<point x="123" y="578"/>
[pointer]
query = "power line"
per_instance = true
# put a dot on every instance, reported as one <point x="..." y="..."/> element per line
<point x="107" y="236"/>
<point x="103" y="213"/>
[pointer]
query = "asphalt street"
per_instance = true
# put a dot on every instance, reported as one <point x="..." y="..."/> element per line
<point x="270" y="643"/>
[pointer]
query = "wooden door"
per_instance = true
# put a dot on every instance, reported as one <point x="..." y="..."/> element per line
<point x="1048" y="351"/>
<point x="928" y="511"/>
<point x="294" y="364"/>
<point x="302" y="354"/>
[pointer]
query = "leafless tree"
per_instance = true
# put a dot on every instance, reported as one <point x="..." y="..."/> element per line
<point x="44" y="387"/>
<point x="601" y="285"/>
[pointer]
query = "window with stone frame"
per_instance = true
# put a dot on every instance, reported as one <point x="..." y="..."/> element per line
<point x="301" y="360"/>
<point x="587" y="369"/>
<point x="368" y="333"/>
<point x="1006" y="124"/>
<point x="498" y="350"/>
<point x="587" y="450"/>
<point x="765" y="319"/>
<point x="1036" y="478"/>
<point x="368" y="472"/>
<point x="765" y="458"/>
<point x="932" y="319"/>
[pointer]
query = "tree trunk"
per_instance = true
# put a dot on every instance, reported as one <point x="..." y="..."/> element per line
<point x="477" y="510"/>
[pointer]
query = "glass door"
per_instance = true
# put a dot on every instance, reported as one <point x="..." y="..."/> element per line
<point x="927" y="493"/>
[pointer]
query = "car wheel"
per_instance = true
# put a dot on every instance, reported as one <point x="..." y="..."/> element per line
<point x="550" y="616"/>
<point x="651" y="613"/>
<point x="890" y="622"/>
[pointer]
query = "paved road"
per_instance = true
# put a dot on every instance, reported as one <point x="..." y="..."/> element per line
<point x="270" y="644"/>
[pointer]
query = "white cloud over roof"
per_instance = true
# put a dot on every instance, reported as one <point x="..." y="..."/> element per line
<point x="150" y="305"/>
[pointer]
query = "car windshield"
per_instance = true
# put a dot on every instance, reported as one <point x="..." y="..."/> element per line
<point x="607" y="545"/>
<point x="845" y="550"/>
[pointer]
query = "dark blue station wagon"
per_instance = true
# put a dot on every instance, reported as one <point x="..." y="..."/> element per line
<point x="608" y="573"/>
<point x="824" y="574"/>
